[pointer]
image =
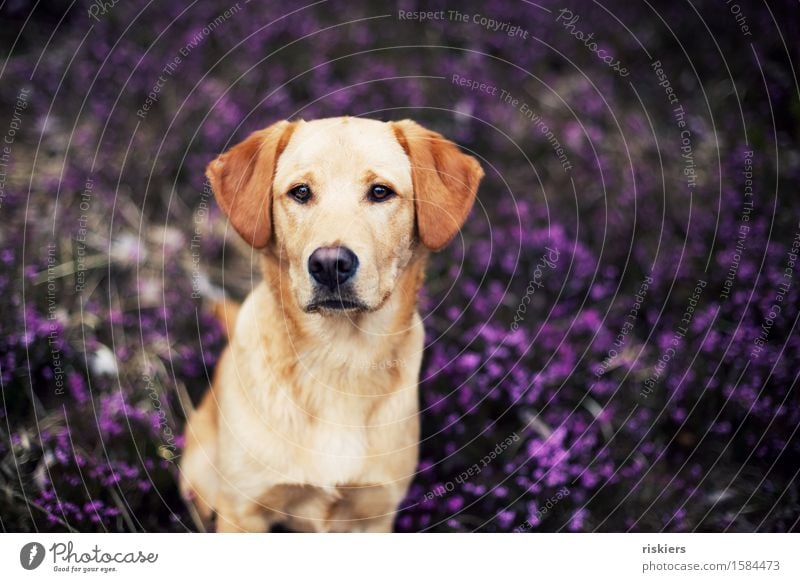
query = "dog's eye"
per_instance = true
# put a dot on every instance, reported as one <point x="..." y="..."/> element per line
<point x="301" y="193"/>
<point x="380" y="193"/>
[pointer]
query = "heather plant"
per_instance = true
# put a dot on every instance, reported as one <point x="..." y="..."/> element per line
<point x="614" y="333"/>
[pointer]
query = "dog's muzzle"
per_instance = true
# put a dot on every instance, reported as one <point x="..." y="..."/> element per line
<point x="332" y="270"/>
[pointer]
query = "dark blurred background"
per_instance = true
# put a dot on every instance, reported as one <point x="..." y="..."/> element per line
<point x="622" y="306"/>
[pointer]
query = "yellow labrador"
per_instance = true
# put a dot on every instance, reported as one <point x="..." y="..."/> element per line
<point x="312" y="419"/>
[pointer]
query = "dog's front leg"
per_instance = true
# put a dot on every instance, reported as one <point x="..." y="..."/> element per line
<point x="383" y="524"/>
<point x="369" y="509"/>
<point x="237" y="513"/>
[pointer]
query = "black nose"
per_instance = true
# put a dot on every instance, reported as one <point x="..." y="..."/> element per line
<point x="332" y="266"/>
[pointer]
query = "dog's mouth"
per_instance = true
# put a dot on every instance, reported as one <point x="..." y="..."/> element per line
<point x="335" y="304"/>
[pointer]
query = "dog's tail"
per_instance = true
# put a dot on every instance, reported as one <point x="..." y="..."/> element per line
<point x="226" y="312"/>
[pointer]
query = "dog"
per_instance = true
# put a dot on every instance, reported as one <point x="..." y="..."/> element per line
<point x="312" y="419"/>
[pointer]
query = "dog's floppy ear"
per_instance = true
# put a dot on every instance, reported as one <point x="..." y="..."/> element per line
<point x="445" y="182"/>
<point x="242" y="181"/>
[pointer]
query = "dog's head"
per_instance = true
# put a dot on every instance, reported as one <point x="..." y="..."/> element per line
<point x="344" y="202"/>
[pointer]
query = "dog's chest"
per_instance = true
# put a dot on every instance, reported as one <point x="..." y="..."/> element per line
<point x="336" y="410"/>
<point x="335" y="406"/>
<point x="325" y="423"/>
